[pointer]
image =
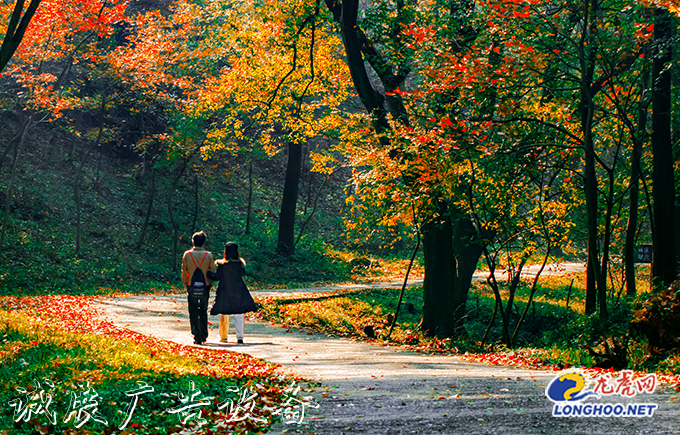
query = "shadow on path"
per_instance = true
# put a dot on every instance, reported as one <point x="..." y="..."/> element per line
<point x="374" y="389"/>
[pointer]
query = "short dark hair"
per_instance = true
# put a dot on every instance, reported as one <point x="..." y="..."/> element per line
<point x="199" y="238"/>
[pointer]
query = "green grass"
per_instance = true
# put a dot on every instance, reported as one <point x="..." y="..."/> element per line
<point x="68" y="373"/>
<point x="552" y="332"/>
<point x="53" y="367"/>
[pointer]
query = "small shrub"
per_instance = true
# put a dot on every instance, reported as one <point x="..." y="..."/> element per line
<point x="658" y="318"/>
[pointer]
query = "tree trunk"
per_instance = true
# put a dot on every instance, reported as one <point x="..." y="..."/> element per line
<point x="15" y="140"/>
<point x="18" y="23"/>
<point x="635" y="163"/>
<point x="512" y="290"/>
<point x="450" y="255"/>
<point x="311" y="214"/>
<point x="532" y="292"/>
<point x="286" y="238"/>
<point x="149" y="208"/>
<point x="663" y="183"/>
<point x="18" y="145"/>
<point x="439" y="281"/>
<point x="250" y="194"/>
<point x="196" y="203"/>
<point x="403" y="287"/>
<point x="631" y="226"/>
<point x="345" y="14"/>
<point x="173" y="222"/>
<point x="467" y="251"/>
<point x="447" y="274"/>
<point x="493" y="284"/>
<point x="590" y="182"/>
<point x="77" y="196"/>
<point x="602" y="284"/>
<point x="587" y="55"/>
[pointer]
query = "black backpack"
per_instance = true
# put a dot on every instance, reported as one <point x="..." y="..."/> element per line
<point x="198" y="285"/>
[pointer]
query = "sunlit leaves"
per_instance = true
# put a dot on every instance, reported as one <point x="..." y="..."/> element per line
<point x="74" y="318"/>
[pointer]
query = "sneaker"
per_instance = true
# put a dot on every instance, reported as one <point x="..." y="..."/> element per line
<point x="240" y="341"/>
<point x="224" y="340"/>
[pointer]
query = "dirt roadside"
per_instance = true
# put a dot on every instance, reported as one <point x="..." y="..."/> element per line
<point x="373" y="389"/>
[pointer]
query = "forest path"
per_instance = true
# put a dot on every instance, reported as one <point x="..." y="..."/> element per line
<point x="374" y="389"/>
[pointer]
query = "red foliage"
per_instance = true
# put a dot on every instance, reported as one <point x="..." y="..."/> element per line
<point x="659" y="320"/>
<point x="77" y="314"/>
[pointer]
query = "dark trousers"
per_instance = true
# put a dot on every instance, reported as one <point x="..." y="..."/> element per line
<point x="198" y="316"/>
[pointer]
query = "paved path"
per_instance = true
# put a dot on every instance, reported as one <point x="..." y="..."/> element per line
<point x="373" y="389"/>
<point x="529" y="271"/>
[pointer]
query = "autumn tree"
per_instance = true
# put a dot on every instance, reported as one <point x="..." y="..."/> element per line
<point x="573" y="54"/>
<point x="64" y="43"/>
<point x="17" y="23"/>
<point x="279" y="90"/>
<point x="384" y="39"/>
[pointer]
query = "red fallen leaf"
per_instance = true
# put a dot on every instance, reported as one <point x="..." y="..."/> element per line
<point x="34" y="342"/>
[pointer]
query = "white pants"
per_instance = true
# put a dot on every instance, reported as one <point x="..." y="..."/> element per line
<point x="239" y="320"/>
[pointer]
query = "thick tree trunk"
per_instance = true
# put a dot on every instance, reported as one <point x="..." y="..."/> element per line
<point x="591" y="289"/>
<point x="631" y="225"/>
<point x="467" y="251"/>
<point x="345" y="14"/>
<point x="18" y="23"/>
<point x="286" y="239"/>
<point x="663" y="183"/>
<point x="440" y="276"/>
<point x="590" y="187"/>
<point x="450" y="254"/>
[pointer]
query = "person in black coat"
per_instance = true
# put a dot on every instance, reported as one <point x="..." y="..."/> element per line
<point x="232" y="295"/>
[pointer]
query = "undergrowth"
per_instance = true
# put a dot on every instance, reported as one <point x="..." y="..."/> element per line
<point x="64" y="372"/>
<point x="553" y="334"/>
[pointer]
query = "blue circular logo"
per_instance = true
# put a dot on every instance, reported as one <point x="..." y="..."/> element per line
<point x="568" y="387"/>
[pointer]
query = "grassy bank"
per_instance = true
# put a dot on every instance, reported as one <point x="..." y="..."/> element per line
<point x="63" y="371"/>
<point x="555" y="332"/>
